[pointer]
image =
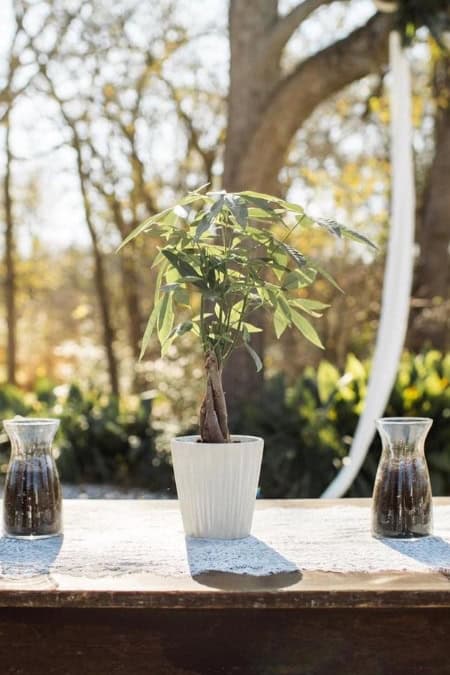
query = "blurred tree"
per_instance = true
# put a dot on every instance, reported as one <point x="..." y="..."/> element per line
<point x="115" y="114"/>
<point x="267" y="107"/>
<point x="127" y="208"/>
<point x="147" y="103"/>
<point x="8" y="95"/>
<point x="60" y="24"/>
<point x="99" y="266"/>
<point x="10" y="267"/>
<point x="430" y="317"/>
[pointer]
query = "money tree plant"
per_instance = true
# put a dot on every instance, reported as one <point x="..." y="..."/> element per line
<point x="221" y="261"/>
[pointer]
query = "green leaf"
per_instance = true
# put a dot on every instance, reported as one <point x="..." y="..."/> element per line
<point x="269" y="200"/>
<point x="146" y="225"/>
<point x="306" y="303"/>
<point x="199" y="189"/>
<point x="280" y="322"/>
<point x="261" y="196"/>
<point x="195" y="281"/>
<point x="343" y="232"/>
<point x="181" y="329"/>
<point x="165" y="318"/>
<point x="208" y="218"/>
<point x="255" y="357"/>
<point x="293" y="208"/>
<point x="259" y="214"/>
<point x="265" y="203"/>
<point x="159" y="259"/>
<point x="329" y="225"/>
<point x="356" y="236"/>
<point x="150" y="327"/>
<point x="309" y="306"/>
<point x="169" y="288"/>
<point x="180" y="264"/>
<point x="239" y="209"/>
<point x="284" y="306"/>
<point x="181" y="297"/>
<point x="280" y="258"/>
<point x="307" y="329"/>
<point x="294" y="280"/>
<point x="273" y="293"/>
<point x="296" y="256"/>
<point x="251" y="328"/>
<point x="315" y="265"/>
<point x="203" y="226"/>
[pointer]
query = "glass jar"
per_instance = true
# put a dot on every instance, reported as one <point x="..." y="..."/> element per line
<point x="32" y="503"/>
<point x="402" y="502"/>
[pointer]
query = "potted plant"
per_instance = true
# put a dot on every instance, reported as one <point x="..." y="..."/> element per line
<point x="220" y="263"/>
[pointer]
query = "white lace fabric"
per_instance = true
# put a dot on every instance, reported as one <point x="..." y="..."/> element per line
<point x="114" y="538"/>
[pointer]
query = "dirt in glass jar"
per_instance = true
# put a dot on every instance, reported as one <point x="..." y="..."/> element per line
<point x="402" y="502"/>
<point x="32" y="503"/>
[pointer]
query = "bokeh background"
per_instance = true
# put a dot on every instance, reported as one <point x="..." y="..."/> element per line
<point x="108" y="113"/>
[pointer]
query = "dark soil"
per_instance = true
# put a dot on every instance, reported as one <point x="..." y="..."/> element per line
<point x="32" y="503"/>
<point x="402" y="505"/>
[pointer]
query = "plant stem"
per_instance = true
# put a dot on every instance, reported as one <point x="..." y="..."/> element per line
<point x="213" y="412"/>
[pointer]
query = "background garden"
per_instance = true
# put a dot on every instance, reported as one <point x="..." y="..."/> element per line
<point x="110" y="111"/>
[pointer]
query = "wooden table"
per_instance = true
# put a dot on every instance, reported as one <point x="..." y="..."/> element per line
<point x="311" y="623"/>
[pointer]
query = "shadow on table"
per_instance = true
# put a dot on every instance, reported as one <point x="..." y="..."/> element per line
<point x="239" y="564"/>
<point x="431" y="551"/>
<point x="22" y="559"/>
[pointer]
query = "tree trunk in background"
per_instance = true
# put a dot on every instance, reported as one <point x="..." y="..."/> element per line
<point x="99" y="269"/>
<point x="10" y="269"/>
<point x="252" y="80"/>
<point x="430" y="316"/>
<point x="251" y="85"/>
<point x="130" y="284"/>
<point x="108" y="330"/>
<point x="266" y="109"/>
<point x="99" y="276"/>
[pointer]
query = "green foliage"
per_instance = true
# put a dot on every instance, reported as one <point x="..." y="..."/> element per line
<point x="307" y="427"/>
<point x="99" y="441"/>
<point x="221" y="263"/>
<point x="103" y="442"/>
<point x="13" y="402"/>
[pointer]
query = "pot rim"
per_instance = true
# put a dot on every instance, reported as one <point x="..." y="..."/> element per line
<point x="194" y="439"/>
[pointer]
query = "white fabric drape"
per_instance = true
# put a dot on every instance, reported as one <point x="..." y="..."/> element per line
<point x="398" y="272"/>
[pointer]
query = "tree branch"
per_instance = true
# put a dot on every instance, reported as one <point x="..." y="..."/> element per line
<point x="207" y="156"/>
<point x="328" y="71"/>
<point x="287" y="25"/>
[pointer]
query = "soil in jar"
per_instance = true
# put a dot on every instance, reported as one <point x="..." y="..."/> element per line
<point x="32" y="503"/>
<point x="402" y="502"/>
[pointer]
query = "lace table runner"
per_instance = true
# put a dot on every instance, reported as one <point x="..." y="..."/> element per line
<point x="109" y="538"/>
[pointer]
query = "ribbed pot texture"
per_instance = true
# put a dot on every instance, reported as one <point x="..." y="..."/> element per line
<point x="216" y="485"/>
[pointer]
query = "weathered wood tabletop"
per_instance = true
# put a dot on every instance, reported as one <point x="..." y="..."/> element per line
<point x="302" y="622"/>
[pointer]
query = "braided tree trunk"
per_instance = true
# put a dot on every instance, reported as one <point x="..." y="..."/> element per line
<point x="213" y="412"/>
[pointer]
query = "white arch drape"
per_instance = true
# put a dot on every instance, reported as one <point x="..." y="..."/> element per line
<point x="398" y="271"/>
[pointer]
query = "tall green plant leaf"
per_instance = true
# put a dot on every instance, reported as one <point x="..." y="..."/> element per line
<point x="255" y="357"/>
<point x="307" y="329"/>
<point x="165" y="319"/>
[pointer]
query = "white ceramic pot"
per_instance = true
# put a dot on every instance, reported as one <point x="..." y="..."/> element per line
<point x="216" y="485"/>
